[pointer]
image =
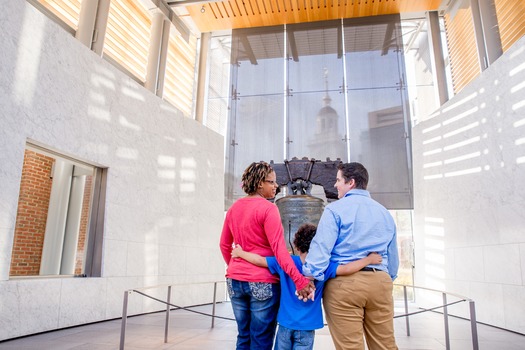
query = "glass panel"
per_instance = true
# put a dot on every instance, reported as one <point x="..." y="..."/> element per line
<point x="377" y="141"/>
<point x="371" y="50"/>
<point x="315" y="104"/>
<point x="217" y="108"/>
<point x="315" y="57"/>
<point x="258" y="134"/>
<point x="258" y="57"/>
<point x="377" y="115"/>
<point x="257" y="108"/>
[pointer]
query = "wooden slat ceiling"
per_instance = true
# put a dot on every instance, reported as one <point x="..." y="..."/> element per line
<point x="235" y="14"/>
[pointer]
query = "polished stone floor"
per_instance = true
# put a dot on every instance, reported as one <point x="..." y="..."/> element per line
<point x="193" y="331"/>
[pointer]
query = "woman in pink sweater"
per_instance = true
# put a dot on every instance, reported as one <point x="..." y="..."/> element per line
<point x="255" y="224"/>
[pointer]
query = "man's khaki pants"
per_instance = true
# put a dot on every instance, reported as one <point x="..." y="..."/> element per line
<point x="357" y="305"/>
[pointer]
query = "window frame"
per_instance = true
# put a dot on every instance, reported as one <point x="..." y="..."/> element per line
<point x="93" y="245"/>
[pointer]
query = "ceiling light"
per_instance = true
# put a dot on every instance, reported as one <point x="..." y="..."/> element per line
<point x="203" y="9"/>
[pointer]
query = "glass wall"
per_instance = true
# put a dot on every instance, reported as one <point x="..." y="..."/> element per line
<point x="322" y="90"/>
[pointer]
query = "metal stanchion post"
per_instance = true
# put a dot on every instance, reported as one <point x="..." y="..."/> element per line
<point x="406" y="310"/>
<point x="214" y="302"/>
<point x="445" y="316"/>
<point x="124" y="320"/>
<point x="473" y="326"/>
<point x="166" y="325"/>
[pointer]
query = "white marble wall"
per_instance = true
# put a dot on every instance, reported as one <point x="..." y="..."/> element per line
<point x="469" y="173"/>
<point x="164" y="204"/>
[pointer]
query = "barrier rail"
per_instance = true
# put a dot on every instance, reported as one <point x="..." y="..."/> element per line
<point x="472" y="308"/>
<point x="169" y="306"/>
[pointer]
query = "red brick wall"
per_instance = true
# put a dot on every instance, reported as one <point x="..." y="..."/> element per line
<point x="33" y="203"/>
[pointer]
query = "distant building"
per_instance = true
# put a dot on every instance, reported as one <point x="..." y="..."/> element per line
<point x="328" y="138"/>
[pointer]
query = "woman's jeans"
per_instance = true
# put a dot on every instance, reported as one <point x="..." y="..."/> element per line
<point x="255" y="306"/>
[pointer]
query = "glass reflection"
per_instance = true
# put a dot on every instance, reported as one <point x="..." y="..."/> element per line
<point x="257" y="56"/>
<point x="316" y="125"/>
<point x="377" y="139"/>
<point x="373" y="46"/>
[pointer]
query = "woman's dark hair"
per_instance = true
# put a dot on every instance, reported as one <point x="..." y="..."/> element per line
<point x="355" y="171"/>
<point x="303" y="237"/>
<point x="254" y="174"/>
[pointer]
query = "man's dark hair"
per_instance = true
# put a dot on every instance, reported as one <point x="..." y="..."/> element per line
<point x="355" y="171"/>
<point x="303" y="237"/>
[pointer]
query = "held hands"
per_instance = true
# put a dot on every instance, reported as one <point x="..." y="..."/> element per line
<point x="374" y="259"/>
<point x="306" y="293"/>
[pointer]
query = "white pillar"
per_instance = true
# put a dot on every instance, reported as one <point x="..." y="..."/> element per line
<point x="72" y="229"/>
<point x="101" y="22"/>
<point x="157" y="54"/>
<point x="486" y="32"/>
<point x="491" y="35"/>
<point x="86" y="22"/>
<point x="56" y="218"/>
<point x="436" y="57"/>
<point x="202" y="77"/>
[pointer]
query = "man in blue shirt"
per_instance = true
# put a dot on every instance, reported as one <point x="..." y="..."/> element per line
<point x="349" y="229"/>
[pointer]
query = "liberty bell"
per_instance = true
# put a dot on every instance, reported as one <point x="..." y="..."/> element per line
<point x="298" y="206"/>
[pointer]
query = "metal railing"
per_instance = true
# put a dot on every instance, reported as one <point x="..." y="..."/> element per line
<point x="169" y="306"/>
<point x="446" y="304"/>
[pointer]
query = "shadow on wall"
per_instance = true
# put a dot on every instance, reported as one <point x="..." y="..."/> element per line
<point x="472" y="160"/>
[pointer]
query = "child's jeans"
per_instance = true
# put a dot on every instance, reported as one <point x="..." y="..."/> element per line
<point x="288" y="339"/>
